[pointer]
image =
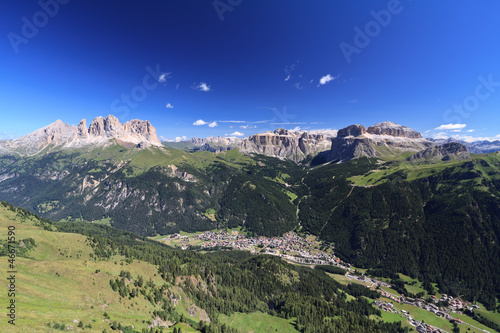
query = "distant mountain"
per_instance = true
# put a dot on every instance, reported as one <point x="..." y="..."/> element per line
<point x="445" y="152"/>
<point x="286" y="144"/>
<point x="101" y="130"/>
<point x="383" y="140"/>
<point x="475" y="147"/>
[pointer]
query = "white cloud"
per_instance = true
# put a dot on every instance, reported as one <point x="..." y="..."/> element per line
<point x="247" y="126"/>
<point x="163" y="77"/>
<point x="298" y="123"/>
<point x="199" y="122"/>
<point x="202" y="86"/>
<point x="288" y="77"/>
<point x="213" y="124"/>
<point x="169" y="106"/>
<point x="327" y="78"/>
<point x="236" y="134"/>
<point x="180" y="138"/>
<point x="471" y="130"/>
<point x="450" y="127"/>
<point x="466" y="138"/>
<point x="354" y="101"/>
<point x="233" y="121"/>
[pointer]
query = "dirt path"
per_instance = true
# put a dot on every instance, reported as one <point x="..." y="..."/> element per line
<point x="333" y="209"/>
<point x="232" y="321"/>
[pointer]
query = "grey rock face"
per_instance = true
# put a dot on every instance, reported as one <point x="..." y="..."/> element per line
<point x="392" y="129"/>
<point x="446" y="152"/>
<point x="59" y="134"/>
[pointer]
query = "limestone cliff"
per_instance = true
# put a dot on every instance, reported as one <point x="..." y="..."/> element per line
<point x="100" y="131"/>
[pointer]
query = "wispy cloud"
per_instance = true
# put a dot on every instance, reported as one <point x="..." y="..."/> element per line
<point x="327" y="78"/>
<point x="233" y="121"/>
<point x="213" y="124"/>
<point x="200" y="122"/>
<point x="297" y="123"/>
<point x="164" y="77"/>
<point x="289" y="70"/>
<point x="169" y="106"/>
<point x="298" y="86"/>
<point x="471" y="130"/>
<point x="202" y="86"/>
<point x="451" y="127"/>
<point x="6" y="136"/>
<point x="177" y="139"/>
<point x="468" y="138"/>
<point x="354" y="101"/>
<point x="247" y="126"/>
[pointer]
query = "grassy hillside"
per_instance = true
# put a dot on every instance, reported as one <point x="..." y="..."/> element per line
<point x="58" y="282"/>
<point x="110" y="279"/>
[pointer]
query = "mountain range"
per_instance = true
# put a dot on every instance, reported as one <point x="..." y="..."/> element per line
<point x="380" y="140"/>
<point x="100" y="130"/>
<point x="386" y="197"/>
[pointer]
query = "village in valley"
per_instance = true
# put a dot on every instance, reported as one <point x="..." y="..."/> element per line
<point x="308" y="250"/>
<point x="292" y="247"/>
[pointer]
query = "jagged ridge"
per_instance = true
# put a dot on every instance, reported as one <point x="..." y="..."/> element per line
<point x="136" y="132"/>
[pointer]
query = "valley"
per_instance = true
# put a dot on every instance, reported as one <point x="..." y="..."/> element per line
<point x="383" y="201"/>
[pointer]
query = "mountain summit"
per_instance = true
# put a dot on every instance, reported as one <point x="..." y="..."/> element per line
<point x="100" y="131"/>
<point x="382" y="140"/>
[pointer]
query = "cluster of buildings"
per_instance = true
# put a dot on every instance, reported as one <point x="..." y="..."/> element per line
<point x="425" y="328"/>
<point x="290" y="246"/>
<point x="419" y="326"/>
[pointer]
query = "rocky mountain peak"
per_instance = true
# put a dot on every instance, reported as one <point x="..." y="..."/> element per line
<point x="383" y="140"/>
<point x="353" y="130"/>
<point x="393" y="129"/>
<point x="59" y="134"/>
<point x="81" y="129"/>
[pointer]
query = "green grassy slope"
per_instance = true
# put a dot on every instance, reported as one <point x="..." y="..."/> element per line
<point x="58" y="282"/>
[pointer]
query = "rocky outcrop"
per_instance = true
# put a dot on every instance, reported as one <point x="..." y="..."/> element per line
<point x="446" y="152"/>
<point x="143" y="130"/>
<point x="282" y="143"/>
<point x="289" y="144"/>
<point x="58" y="134"/>
<point x="392" y="129"/>
<point x="81" y="129"/>
<point x="96" y="127"/>
<point x="384" y="140"/>
<point x="353" y="130"/>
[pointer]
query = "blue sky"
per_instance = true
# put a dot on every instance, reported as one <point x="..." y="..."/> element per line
<point x="231" y="67"/>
